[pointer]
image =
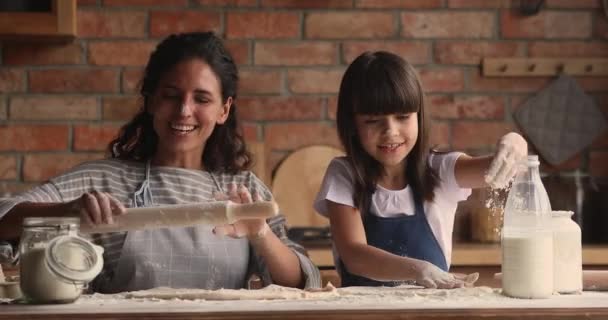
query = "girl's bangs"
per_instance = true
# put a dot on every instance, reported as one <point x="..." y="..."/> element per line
<point x="385" y="90"/>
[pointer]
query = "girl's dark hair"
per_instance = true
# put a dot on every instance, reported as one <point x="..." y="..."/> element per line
<point x="225" y="151"/>
<point x="383" y="83"/>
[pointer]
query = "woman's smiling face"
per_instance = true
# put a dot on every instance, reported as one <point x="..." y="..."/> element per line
<point x="186" y="107"/>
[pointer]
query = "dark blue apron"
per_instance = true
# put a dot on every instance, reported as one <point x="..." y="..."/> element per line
<point x="404" y="235"/>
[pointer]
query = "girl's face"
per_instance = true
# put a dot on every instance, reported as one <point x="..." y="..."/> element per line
<point x="186" y="107"/>
<point x="388" y="138"/>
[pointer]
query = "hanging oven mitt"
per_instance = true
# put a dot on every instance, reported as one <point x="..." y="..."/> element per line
<point x="560" y="120"/>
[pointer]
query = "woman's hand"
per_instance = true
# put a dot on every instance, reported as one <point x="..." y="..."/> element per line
<point x="250" y="228"/>
<point x="512" y="149"/>
<point x="97" y="208"/>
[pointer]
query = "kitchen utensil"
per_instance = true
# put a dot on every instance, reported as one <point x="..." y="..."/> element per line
<point x="182" y="215"/>
<point x="297" y="181"/>
<point x="560" y="120"/>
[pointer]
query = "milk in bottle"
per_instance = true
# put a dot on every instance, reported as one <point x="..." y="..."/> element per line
<point x="527" y="239"/>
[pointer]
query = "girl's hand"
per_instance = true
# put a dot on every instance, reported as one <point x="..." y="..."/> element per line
<point x="96" y="208"/>
<point x="512" y="149"/>
<point x="429" y="275"/>
<point x="250" y="228"/>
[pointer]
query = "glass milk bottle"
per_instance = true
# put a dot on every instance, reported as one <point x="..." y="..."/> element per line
<point x="567" y="253"/>
<point x="527" y="238"/>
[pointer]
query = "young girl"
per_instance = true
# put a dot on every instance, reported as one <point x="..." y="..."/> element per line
<point x="390" y="203"/>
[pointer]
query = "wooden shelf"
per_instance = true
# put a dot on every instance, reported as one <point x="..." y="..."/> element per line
<point x="58" y="24"/>
<point x="474" y="254"/>
<point x="542" y="67"/>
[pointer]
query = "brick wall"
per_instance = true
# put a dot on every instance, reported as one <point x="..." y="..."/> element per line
<point x="61" y="103"/>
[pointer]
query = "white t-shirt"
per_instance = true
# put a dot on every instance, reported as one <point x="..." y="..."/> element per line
<point x="338" y="187"/>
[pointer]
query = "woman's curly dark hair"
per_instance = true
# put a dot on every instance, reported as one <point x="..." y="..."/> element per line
<point x="225" y="150"/>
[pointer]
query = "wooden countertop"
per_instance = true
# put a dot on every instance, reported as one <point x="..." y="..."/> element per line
<point x="474" y="254"/>
<point x="589" y="305"/>
<point x="451" y="314"/>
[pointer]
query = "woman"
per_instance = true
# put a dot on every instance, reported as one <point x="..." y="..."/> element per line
<point x="182" y="147"/>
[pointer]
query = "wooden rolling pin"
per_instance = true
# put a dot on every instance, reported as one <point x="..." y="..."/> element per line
<point x="593" y="280"/>
<point x="184" y="215"/>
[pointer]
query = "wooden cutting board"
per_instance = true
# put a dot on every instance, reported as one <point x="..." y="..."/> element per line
<point x="296" y="183"/>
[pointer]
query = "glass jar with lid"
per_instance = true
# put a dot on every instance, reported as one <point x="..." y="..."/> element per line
<point x="567" y="253"/>
<point x="55" y="263"/>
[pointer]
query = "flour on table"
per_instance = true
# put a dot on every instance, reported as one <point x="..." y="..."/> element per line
<point x="271" y="292"/>
<point x="275" y="292"/>
<point x="406" y="291"/>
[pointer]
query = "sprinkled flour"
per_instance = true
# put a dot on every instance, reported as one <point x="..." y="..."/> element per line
<point x="275" y="293"/>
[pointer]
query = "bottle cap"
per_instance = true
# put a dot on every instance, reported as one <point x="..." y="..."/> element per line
<point x="533" y="159"/>
<point x="561" y="214"/>
<point x="74" y="258"/>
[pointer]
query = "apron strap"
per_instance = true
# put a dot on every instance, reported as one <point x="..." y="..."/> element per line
<point x="143" y="196"/>
<point x="217" y="183"/>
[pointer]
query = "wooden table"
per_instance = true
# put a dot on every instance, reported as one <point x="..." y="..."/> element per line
<point x="496" y="314"/>
<point x="590" y="305"/>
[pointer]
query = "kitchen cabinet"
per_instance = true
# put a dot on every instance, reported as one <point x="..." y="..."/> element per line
<point x="57" y="24"/>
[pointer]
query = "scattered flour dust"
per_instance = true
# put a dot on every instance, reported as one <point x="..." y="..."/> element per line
<point x="496" y="198"/>
<point x="346" y="296"/>
<point x="494" y="202"/>
<point x="272" y="292"/>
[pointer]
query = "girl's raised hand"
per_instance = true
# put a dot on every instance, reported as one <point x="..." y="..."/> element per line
<point x="97" y="208"/>
<point x="250" y="228"/>
<point x="512" y="149"/>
